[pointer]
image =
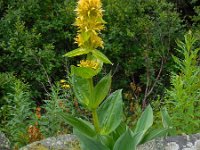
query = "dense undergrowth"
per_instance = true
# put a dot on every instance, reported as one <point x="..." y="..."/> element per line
<point x="140" y="39"/>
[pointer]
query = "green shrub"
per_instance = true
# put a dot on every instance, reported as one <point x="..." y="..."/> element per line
<point x="139" y="38"/>
<point x="15" y="109"/>
<point x="33" y="36"/>
<point x="183" y="98"/>
<point x="60" y="100"/>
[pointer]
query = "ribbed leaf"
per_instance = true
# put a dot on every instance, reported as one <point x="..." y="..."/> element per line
<point x="81" y="87"/>
<point x="84" y="72"/>
<point x="101" y="89"/>
<point x="128" y="141"/>
<point x="110" y="113"/>
<point x="145" y="121"/>
<point x="83" y="126"/>
<point x="101" y="56"/>
<point x="165" y="118"/>
<point x="88" y="143"/>
<point x="77" y="52"/>
<point x="119" y="131"/>
<point x="155" y="134"/>
<point x="106" y="140"/>
<point x="125" y="141"/>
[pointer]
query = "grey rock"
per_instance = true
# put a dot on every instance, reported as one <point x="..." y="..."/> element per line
<point x="62" y="142"/>
<point x="4" y="142"/>
<point x="186" y="142"/>
<point x="70" y="142"/>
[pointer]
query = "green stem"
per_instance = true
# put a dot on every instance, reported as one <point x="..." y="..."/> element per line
<point x="95" y="120"/>
<point x="94" y="110"/>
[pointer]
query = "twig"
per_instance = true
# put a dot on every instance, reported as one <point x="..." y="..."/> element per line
<point x="116" y="68"/>
<point x="153" y="86"/>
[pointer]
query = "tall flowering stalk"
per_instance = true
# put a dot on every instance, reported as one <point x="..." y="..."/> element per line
<point x="90" y="23"/>
<point x="107" y="111"/>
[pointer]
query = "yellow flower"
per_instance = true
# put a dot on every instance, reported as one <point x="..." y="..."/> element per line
<point x="94" y="41"/>
<point x="65" y="86"/>
<point x="89" y="8"/>
<point x="89" y="64"/>
<point x="62" y="81"/>
<point x="89" y="22"/>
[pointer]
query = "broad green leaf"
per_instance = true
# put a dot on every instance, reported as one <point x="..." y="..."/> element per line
<point x="119" y="131"/>
<point x="128" y="141"/>
<point x="106" y="140"/>
<point x="145" y="121"/>
<point x="77" y="52"/>
<point x="155" y="134"/>
<point x="110" y="113"/>
<point x="102" y="89"/>
<point x="101" y="56"/>
<point x="165" y="118"/>
<point x="125" y="141"/>
<point x="83" y="126"/>
<point x="82" y="89"/>
<point x="88" y="143"/>
<point x="137" y="138"/>
<point x="84" y="72"/>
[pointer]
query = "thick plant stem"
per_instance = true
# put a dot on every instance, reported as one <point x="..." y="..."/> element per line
<point x="95" y="120"/>
<point x="94" y="111"/>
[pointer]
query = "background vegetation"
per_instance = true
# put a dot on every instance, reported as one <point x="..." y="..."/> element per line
<point x="140" y="39"/>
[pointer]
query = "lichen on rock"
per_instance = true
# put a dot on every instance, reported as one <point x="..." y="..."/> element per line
<point x="62" y="142"/>
<point x="4" y="142"/>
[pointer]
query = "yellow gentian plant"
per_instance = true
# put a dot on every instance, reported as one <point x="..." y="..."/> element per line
<point x="106" y="132"/>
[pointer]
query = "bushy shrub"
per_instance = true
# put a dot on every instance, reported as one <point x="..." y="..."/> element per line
<point x="33" y="36"/>
<point x="59" y="100"/>
<point x="183" y="98"/>
<point x="139" y="38"/>
<point x="15" y="109"/>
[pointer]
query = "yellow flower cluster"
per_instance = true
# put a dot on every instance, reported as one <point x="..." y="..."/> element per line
<point x="89" y="64"/>
<point x="64" y="85"/>
<point x="90" y="23"/>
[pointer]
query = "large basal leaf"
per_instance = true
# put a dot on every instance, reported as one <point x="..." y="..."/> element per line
<point x="101" y="89"/>
<point x="145" y="121"/>
<point x="165" y="118"/>
<point x="81" y="87"/>
<point x="83" y="126"/>
<point x="101" y="56"/>
<point x="110" y="113"/>
<point x="119" y="131"/>
<point x="77" y="52"/>
<point x="154" y="134"/>
<point x="167" y="123"/>
<point x="106" y="140"/>
<point x="88" y="143"/>
<point x="127" y="141"/>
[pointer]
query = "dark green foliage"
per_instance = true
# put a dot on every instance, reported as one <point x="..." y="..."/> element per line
<point x="15" y="109"/>
<point x="33" y="37"/>
<point x="35" y="34"/>
<point x="139" y="37"/>
<point x="59" y="101"/>
<point x="183" y="98"/>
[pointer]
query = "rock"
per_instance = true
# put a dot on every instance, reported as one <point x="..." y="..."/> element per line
<point x="62" y="142"/>
<point x="4" y="142"/>
<point x="187" y="142"/>
<point x="70" y="142"/>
